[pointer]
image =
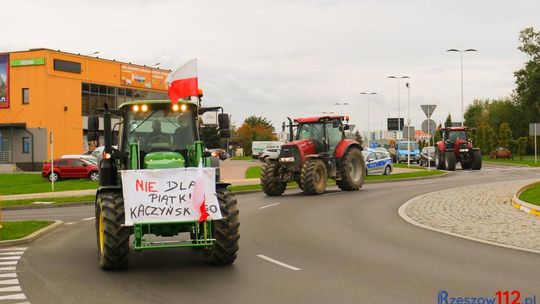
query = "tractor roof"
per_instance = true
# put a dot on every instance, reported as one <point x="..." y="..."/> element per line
<point x="154" y="101"/>
<point x="318" y="118"/>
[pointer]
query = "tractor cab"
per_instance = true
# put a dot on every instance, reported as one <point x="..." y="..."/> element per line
<point x="453" y="136"/>
<point x="322" y="134"/>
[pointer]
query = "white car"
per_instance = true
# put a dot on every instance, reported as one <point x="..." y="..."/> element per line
<point x="270" y="152"/>
<point x="89" y="158"/>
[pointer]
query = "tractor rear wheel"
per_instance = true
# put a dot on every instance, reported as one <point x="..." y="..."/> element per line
<point x="270" y="182"/>
<point x="352" y="169"/>
<point x="314" y="176"/>
<point x="439" y="160"/>
<point x="226" y="235"/>
<point x="112" y="236"/>
<point x="476" y="163"/>
<point x="450" y="161"/>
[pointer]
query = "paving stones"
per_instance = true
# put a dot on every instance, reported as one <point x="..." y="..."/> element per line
<point x="480" y="211"/>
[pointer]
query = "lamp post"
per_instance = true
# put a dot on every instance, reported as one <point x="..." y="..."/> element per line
<point x="368" y="127"/>
<point x="93" y="53"/>
<point x="398" y="106"/>
<point x="408" y="124"/>
<point x="342" y="104"/>
<point x="461" y="55"/>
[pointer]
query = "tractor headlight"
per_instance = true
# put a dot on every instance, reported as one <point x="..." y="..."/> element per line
<point x="287" y="159"/>
<point x="463" y="150"/>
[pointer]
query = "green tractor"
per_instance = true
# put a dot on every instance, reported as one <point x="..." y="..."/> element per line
<point x="155" y="135"/>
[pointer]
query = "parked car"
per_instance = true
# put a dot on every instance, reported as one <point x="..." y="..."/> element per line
<point x="404" y="149"/>
<point x="89" y="158"/>
<point x="220" y="153"/>
<point x="503" y="152"/>
<point x="378" y="162"/>
<point x="66" y="168"/>
<point x="427" y="154"/>
<point x="272" y="152"/>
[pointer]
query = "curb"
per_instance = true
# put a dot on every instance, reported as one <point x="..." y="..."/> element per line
<point x="524" y="206"/>
<point x="34" y="236"/>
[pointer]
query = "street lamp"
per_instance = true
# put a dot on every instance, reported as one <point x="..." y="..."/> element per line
<point x="398" y="106"/>
<point x="155" y="65"/>
<point x="461" y="55"/>
<point x="342" y="104"/>
<point x="409" y="124"/>
<point x="93" y="53"/>
<point x="368" y="128"/>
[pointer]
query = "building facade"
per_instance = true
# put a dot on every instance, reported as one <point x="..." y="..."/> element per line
<point x="45" y="92"/>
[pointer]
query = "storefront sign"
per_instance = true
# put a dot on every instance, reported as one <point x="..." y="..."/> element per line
<point x="4" y="81"/>
<point x="26" y="62"/>
<point x="141" y="77"/>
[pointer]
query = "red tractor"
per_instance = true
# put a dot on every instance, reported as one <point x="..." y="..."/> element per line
<point x="457" y="148"/>
<point x="318" y="151"/>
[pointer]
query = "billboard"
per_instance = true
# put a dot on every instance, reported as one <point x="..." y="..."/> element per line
<point x="393" y="124"/>
<point x="4" y="80"/>
<point x="141" y="77"/>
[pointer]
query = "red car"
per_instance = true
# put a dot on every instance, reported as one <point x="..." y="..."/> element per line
<point x="70" y="168"/>
<point x="500" y="152"/>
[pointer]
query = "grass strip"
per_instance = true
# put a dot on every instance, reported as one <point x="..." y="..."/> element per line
<point x="23" y="183"/>
<point x="531" y="195"/>
<point x="17" y="230"/>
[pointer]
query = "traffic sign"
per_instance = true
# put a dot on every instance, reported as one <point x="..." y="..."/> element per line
<point x="428" y="109"/>
<point x="393" y="124"/>
<point x="431" y="128"/>
<point x="534" y="129"/>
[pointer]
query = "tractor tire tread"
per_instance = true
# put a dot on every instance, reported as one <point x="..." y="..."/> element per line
<point x="226" y="231"/>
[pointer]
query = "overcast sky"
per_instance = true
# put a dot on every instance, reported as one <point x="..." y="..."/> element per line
<point x="297" y="58"/>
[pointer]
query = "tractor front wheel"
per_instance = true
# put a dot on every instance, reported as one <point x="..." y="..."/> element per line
<point x="226" y="231"/>
<point x="352" y="169"/>
<point x="270" y="182"/>
<point x="450" y="161"/>
<point x="314" y="176"/>
<point x="112" y="236"/>
<point x="476" y="163"/>
<point x="439" y="160"/>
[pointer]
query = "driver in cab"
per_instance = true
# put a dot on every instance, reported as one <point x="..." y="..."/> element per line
<point x="156" y="136"/>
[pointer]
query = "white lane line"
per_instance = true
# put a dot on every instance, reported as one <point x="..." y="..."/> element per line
<point x="88" y="218"/>
<point x="10" y="282"/>
<point x="15" y="296"/>
<point x="10" y="289"/>
<point x="70" y="223"/>
<point x="13" y="249"/>
<point x="7" y="268"/>
<point x="8" y="275"/>
<point x="278" y="262"/>
<point x="23" y="303"/>
<point x="18" y="257"/>
<point x="12" y="253"/>
<point x="268" y="206"/>
<point x="9" y="263"/>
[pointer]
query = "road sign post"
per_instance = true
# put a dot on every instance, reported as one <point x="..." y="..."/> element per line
<point x="533" y="131"/>
<point x="428" y="110"/>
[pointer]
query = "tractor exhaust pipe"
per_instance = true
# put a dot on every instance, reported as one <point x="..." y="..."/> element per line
<point x="107" y="165"/>
<point x="290" y="129"/>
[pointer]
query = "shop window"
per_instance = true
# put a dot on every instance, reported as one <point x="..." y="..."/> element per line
<point x="85" y="87"/>
<point x="25" y="95"/>
<point x="26" y="145"/>
<point x="94" y="88"/>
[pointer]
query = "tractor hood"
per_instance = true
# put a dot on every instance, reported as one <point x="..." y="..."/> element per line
<point x="163" y="160"/>
<point x="305" y="146"/>
<point x="462" y="146"/>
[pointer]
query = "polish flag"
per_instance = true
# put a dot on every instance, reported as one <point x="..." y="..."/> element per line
<point x="198" y="198"/>
<point x="183" y="82"/>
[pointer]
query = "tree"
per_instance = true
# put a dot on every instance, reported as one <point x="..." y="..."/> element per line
<point x="358" y="138"/>
<point x="255" y="128"/>
<point x="437" y="136"/>
<point x="522" y="146"/>
<point x="448" y="122"/>
<point x="505" y="135"/>
<point x="528" y="78"/>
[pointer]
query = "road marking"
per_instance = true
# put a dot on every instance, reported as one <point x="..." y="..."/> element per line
<point x="16" y="296"/>
<point x="7" y="268"/>
<point x="13" y="249"/>
<point x="89" y="218"/>
<point x="10" y="289"/>
<point x="268" y="206"/>
<point x="70" y="223"/>
<point x="10" y="282"/>
<point x="8" y="275"/>
<point x="11" y="258"/>
<point x="278" y="262"/>
<point x="12" y="253"/>
<point x="9" y="263"/>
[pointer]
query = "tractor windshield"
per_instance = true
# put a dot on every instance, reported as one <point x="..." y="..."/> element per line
<point x="310" y="131"/>
<point x="454" y="135"/>
<point x="160" y="128"/>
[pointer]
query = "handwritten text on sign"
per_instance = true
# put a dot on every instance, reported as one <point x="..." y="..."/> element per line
<point x="165" y="195"/>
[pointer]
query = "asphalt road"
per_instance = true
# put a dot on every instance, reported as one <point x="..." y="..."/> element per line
<point x="341" y="247"/>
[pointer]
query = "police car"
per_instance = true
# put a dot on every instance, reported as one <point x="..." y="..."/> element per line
<point x="378" y="162"/>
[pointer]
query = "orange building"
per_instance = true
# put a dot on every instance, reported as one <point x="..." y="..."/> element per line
<point x="44" y="92"/>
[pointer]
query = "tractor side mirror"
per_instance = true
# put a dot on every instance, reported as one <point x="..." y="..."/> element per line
<point x="346" y="127"/>
<point x="93" y="127"/>
<point x="223" y="121"/>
